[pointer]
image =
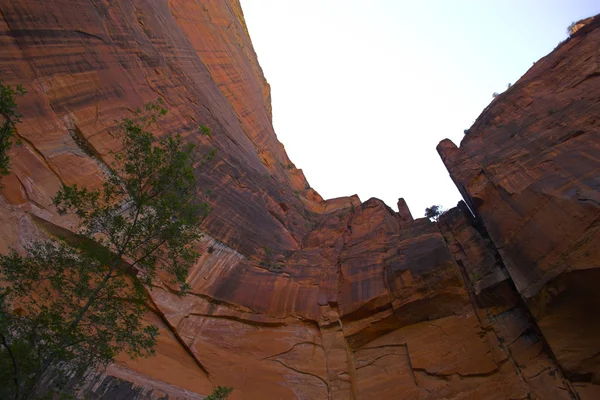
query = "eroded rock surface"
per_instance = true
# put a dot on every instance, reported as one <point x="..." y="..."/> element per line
<point x="294" y="296"/>
<point x="530" y="170"/>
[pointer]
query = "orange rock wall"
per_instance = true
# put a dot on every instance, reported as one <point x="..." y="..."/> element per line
<point x="293" y="297"/>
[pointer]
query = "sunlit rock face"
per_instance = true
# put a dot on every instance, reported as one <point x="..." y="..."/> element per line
<point x="295" y="297"/>
<point x="575" y="26"/>
<point x="529" y="168"/>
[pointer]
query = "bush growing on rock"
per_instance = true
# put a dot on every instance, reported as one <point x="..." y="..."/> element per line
<point x="434" y="212"/>
<point x="9" y="118"/>
<point x="220" y="393"/>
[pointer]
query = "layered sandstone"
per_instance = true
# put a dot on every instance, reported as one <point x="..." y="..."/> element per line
<point x="296" y="297"/>
<point x="529" y="169"/>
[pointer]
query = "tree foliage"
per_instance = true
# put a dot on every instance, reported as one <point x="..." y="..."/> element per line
<point x="9" y="118"/>
<point x="70" y="306"/>
<point x="434" y="212"/>
<point x="220" y="393"/>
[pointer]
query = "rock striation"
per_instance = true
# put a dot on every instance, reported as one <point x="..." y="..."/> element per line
<point x="300" y="297"/>
<point x="529" y="170"/>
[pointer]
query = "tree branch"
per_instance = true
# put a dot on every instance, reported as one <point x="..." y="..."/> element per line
<point x="14" y="364"/>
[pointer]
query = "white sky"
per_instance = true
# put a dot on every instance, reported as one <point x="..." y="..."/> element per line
<point x="363" y="91"/>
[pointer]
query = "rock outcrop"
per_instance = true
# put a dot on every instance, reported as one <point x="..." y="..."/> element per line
<point x="529" y="168"/>
<point x="295" y="296"/>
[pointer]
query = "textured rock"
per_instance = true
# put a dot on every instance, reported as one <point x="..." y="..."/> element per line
<point x="87" y="63"/>
<point x="294" y="296"/>
<point x="529" y="169"/>
<point x="364" y="307"/>
<point x="501" y="311"/>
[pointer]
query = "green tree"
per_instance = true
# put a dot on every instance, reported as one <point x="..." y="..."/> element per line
<point x="434" y="212"/>
<point x="70" y="306"/>
<point x="9" y="118"/>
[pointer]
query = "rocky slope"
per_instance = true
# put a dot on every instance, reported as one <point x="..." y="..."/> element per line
<point x="294" y="296"/>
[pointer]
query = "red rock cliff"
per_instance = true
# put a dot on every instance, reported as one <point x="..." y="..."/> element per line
<point x="294" y="297"/>
<point x="529" y="169"/>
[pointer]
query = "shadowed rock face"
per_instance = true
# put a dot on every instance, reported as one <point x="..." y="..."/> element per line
<point x="294" y="296"/>
<point x="529" y="168"/>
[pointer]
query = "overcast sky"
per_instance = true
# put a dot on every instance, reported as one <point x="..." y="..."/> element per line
<point x="363" y="91"/>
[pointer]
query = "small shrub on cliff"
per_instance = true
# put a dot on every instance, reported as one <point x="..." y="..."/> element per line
<point x="9" y="118"/>
<point x="220" y="393"/>
<point x="72" y="304"/>
<point x="434" y="212"/>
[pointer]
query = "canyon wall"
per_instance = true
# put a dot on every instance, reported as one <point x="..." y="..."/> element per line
<point x="529" y="169"/>
<point x="300" y="297"/>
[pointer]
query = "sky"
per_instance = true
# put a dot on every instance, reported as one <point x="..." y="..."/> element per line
<point x="363" y="91"/>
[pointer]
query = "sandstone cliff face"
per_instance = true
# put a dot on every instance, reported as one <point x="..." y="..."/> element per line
<point x="296" y="297"/>
<point x="529" y="169"/>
